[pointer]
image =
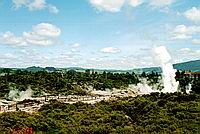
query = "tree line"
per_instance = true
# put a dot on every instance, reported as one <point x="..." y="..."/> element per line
<point x="72" y="82"/>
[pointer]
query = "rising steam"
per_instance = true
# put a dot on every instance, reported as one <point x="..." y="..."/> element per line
<point x="17" y="95"/>
<point x="168" y="73"/>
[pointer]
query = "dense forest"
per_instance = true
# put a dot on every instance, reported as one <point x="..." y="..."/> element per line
<point x="70" y="82"/>
<point x="78" y="83"/>
<point x="154" y="113"/>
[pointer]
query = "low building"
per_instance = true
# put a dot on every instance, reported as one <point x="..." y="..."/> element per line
<point x="193" y="75"/>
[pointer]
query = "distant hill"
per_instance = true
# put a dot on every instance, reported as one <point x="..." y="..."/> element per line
<point x="147" y="70"/>
<point x="193" y="66"/>
<point x="34" y="69"/>
<point x="50" y="69"/>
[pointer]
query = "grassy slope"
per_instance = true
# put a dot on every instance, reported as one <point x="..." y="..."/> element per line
<point x="156" y="113"/>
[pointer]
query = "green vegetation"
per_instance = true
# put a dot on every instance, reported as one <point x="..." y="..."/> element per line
<point x="193" y="66"/>
<point x="155" y="113"/>
<point x="196" y="86"/>
<point x="71" y="82"/>
<point x="183" y="80"/>
<point x="78" y="83"/>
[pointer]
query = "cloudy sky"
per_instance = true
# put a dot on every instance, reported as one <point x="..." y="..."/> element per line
<point x="114" y="34"/>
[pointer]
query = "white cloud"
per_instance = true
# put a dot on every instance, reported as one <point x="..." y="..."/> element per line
<point x="7" y="59"/>
<point x="185" y="32"/>
<point x="34" y="39"/>
<point x="7" y="56"/>
<point x="181" y="36"/>
<point x="122" y="62"/>
<point x="37" y="5"/>
<point x="161" y="3"/>
<point x="53" y="9"/>
<point x="189" y="52"/>
<point x="196" y="41"/>
<point x="183" y="50"/>
<point x="33" y="5"/>
<point x="9" y="38"/>
<point x="32" y="57"/>
<point x="108" y="5"/>
<point x="75" y="45"/>
<point x="19" y="3"/>
<point x="185" y="54"/>
<point x="42" y="34"/>
<point x="46" y="29"/>
<point x="110" y="50"/>
<point x="135" y="3"/>
<point x="116" y="5"/>
<point x="193" y="14"/>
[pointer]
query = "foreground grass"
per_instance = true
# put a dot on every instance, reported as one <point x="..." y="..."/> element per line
<point x="155" y="113"/>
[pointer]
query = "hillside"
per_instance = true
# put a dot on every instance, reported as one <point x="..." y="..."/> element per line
<point x="34" y="69"/>
<point x="156" y="113"/>
<point x="37" y="69"/>
<point x="194" y="66"/>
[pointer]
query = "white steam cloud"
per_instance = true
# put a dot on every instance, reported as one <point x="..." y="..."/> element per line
<point x="17" y="95"/>
<point x="168" y="73"/>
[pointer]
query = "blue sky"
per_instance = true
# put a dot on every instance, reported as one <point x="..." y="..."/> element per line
<point x="113" y="34"/>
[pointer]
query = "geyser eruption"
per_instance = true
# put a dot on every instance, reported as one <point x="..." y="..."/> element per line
<point x="168" y="72"/>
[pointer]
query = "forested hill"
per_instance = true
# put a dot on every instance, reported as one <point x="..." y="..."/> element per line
<point x="194" y="66"/>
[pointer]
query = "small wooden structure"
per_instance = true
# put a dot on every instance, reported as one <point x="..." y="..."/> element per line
<point x="3" y="107"/>
<point x="193" y="75"/>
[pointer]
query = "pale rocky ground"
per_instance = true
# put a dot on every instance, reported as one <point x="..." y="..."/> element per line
<point x="95" y="96"/>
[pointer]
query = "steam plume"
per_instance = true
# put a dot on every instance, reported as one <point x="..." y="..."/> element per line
<point x="168" y="73"/>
